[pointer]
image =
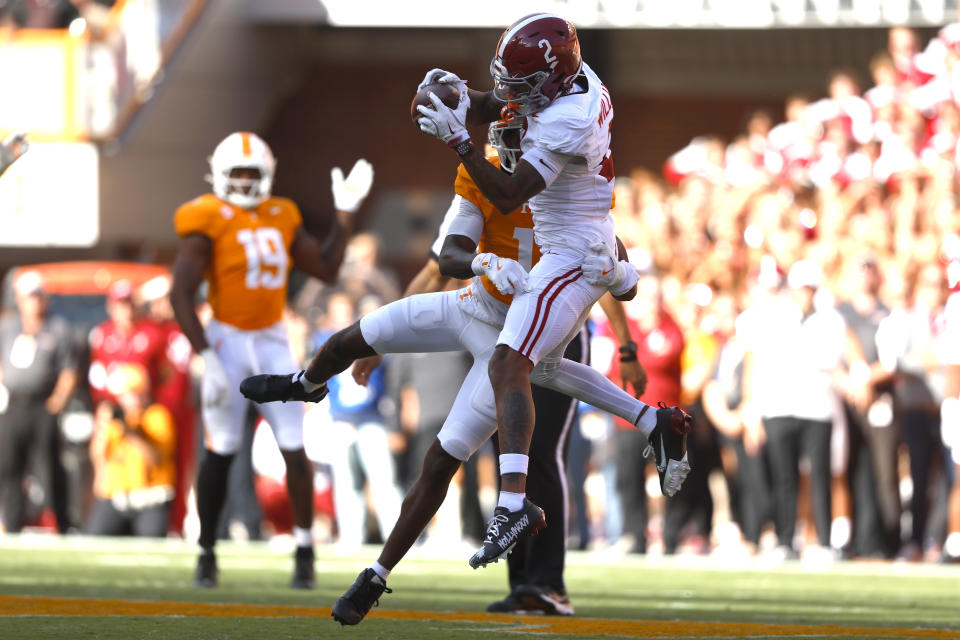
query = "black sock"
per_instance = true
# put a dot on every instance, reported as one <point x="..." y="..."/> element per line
<point x="211" y="495"/>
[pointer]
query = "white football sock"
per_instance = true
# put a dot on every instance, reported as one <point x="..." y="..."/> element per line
<point x="647" y="421"/>
<point x="308" y="385"/>
<point x="302" y="537"/>
<point x="512" y="501"/>
<point x="381" y="571"/>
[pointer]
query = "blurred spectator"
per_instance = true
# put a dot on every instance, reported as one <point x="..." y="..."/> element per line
<point x="175" y="391"/>
<point x="659" y="347"/>
<point x="722" y="399"/>
<point x="868" y="411"/>
<point x="38" y="374"/>
<point x="362" y="444"/>
<point x="793" y="350"/>
<point x="122" y="339"/>
<point x="133" y="454"/>
<point x="360" y="276"/>
<point x="950" y="423"/>
<point x="911" y="343"/>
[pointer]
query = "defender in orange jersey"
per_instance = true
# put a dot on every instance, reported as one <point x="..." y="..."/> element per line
<point x="243" y="241"/>
<point x="469" y="318"/>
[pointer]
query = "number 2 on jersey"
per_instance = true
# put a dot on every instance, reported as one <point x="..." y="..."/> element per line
<point x="264" y="248"/>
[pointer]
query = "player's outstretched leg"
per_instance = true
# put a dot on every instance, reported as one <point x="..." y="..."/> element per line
<point x="515" y="515"/>
<point x="419" y="506"/>
<point x="668" y="442"/>
<point x="310" y="385"/>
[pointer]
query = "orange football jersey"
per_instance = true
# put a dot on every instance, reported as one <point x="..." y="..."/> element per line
<point x="251" y="256"/>
<point x="508" y="236"/>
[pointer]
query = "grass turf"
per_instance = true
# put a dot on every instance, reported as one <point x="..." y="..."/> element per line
<point x="681" y="597"/>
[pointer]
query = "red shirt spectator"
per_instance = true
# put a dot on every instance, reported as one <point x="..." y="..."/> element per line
<point x="124" y="339"/>
<point x="659" y="346"/>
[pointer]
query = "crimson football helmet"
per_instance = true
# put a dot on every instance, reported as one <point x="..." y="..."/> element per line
<point x="242" y="150"/>
<point x="537" y="58"/>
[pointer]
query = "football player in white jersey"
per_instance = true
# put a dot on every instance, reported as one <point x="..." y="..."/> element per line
<point x="566" y="174"/>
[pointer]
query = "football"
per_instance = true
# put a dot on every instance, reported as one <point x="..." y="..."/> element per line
<point x="447" y="93"/>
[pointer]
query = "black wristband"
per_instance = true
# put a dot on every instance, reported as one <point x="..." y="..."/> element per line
<point x="630" y="347"/>
<point x="628" y="357"/>
<point x="463" y="148"/>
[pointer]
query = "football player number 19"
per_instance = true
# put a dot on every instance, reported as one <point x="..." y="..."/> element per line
<point x="266" y="257"/>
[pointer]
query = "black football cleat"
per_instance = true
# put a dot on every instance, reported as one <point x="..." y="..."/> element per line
<point x="545" y="600"/>
<point x="303" y="573"/>
<point x="272" y="388"/>
<point x="668" y="442"/>
<point x="505" y="529"/>
<point x="206" y="574"/>
<point x="510" y="604"/>
<point x="364" y="594"/>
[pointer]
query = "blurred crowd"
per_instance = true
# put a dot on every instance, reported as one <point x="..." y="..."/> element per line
<point x="803" y="271"/>
<point x="53" y="14"/>
<point x="795" y="296"/>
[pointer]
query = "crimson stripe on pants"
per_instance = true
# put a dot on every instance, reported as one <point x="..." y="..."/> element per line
<point x="536" y="315"/>
<point x="546" y="312"/>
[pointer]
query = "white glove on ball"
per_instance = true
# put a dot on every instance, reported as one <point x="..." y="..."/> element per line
<point x="602" y="269"/>
<point x="450" y="125"/>
<point x="506" y="275"/>
<point x="348" y="194"/>
<point x="215" y="385"/>
<point x="440" y="76"/>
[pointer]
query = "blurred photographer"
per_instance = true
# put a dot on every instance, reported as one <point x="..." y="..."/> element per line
<point x="132" y="451"/>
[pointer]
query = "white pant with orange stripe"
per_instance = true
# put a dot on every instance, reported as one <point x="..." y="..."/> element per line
<point x="541" y="323"/>
<point x="246" y="353"/>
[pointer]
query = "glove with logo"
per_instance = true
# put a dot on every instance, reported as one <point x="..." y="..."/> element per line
<point x="506" y="275"/>
<point x="450" y="125"/>
<point x="602" y="269"/>
<point x="348" y="194"/>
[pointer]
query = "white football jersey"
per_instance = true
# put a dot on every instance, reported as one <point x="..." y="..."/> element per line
<point x="569" y="145"/>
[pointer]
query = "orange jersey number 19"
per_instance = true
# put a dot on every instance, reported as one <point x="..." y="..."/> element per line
<point x="264" y="248"/>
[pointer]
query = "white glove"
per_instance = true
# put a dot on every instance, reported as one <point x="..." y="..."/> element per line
<point x="602" y="269"/>
<point x="348" y="194"/>
<point x="215" y="385"/>
<point x="950" y="423"/>
<point x="440" y="76"/>
<point x="12" y="148"/>
<point x="506" y="275"/>
<point x="450" y="125"/>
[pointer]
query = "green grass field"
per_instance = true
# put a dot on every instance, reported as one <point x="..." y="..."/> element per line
<point x="111" y="588"/>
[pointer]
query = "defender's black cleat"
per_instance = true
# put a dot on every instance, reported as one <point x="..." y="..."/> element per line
<point x="365" y="593"/>
<point x="206" y="573"/>
<point x="505" y="529"/>
<point x="271" y="388"/>
<point x="303" y="574"/>
<point x="668" y="442"/>
<point x="510" y="604"/>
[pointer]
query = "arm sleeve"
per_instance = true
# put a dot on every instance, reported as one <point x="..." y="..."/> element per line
<point x="448" y="217"/>
<point x="468" y="221"/>
<point x="548" y="163"/>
